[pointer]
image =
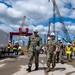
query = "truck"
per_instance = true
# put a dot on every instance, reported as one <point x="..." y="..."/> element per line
<point x="3" y="42"/>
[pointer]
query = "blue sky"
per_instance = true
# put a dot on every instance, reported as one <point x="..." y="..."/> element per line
<point x="38" y="13"/>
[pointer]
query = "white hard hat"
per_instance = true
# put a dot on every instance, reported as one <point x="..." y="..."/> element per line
<point x="16" y="41"/>
<point x="61" y="41"/>
<point x="48" y="38"/>
<point x="68" y="43"/>
<point x="9" y="41"/>
<point x="19" y="47"/>
<point x="59" y="38"/>
<point x="52" y="34"/>
<point x="35" y="30"/>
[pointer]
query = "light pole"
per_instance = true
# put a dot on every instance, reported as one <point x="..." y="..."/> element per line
<point x="45" y="39"/>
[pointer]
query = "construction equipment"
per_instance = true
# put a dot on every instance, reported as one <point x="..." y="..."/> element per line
<point x="54" y="17"/>
<point x="22" y="25"/>
<point x="63" y="25"/>
<point x="21" y="32"/>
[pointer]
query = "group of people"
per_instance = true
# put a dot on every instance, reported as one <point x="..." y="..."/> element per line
<point x="14" y="48"/>
<point x="54" y="50"/>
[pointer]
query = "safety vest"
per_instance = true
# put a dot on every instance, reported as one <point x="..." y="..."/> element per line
<point x="68" y="50"/>
<point x="15" y="47"/>
<point x="74" y="48"/>
<point x="9" y="45"/>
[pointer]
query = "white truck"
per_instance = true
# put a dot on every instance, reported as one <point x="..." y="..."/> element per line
<point x="3" y="42"/>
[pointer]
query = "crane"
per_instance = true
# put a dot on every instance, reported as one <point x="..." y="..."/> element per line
<point x="62" y="23"/>
<point x="22" y="25"/>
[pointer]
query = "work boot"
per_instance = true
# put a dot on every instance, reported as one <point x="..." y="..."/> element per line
<point x="57" y="61"/>
<point x="36" y="68"/>
<point x="70" y="60"/>
<point x="62" y="62"/>
<point x="48" y="69"/>
<point x="29" y="69"/>
<point x="52" y="69"/>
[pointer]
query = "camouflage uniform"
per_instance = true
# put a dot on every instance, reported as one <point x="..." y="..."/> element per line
<point x="32" y="52"/>
<point x="58" y="52"/>
<point x="61" y="53"/>
<point x="50" y="54"/>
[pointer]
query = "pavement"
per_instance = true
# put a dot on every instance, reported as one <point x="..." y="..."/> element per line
<point x="17" y="66"/>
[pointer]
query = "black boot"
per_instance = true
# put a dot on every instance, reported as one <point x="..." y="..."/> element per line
<point x="57" y="61"/>
<point x="62" y="62"/>
<point x="29" y="69"/>
<point x="36" y="68"/>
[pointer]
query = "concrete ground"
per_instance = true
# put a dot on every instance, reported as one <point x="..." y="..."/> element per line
<point x="17" y="66"/>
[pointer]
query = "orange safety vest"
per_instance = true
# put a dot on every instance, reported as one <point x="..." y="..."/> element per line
<point x="68" y="50"/>
<point x="15" y="47"/>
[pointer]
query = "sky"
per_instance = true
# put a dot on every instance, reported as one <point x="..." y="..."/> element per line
<point x="38" y="13"/>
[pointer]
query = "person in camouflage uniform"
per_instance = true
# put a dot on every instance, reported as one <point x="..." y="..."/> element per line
<point x="34" y="46"/>
<point x="51" y="52"/>
<point x="60" y="50"/>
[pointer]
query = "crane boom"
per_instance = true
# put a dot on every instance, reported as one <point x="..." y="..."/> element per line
<point x="23" y="22"/>
<point x="22" y="25"/>
<point x="63" y="25"/>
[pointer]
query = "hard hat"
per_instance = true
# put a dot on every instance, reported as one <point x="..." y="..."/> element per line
<point x="16" y="41"/>
<point x="9" y="41"/>
<point x="35" y="30"/>
<point x="61" y="41"/>
<point x="68" y="43"/>
<point x="19" y="47"/>
<point x="59" y="38"/>
<point x="52" y="34"/>
<point x="48" y="38"/>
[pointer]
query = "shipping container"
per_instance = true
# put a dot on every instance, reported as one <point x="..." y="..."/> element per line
<point x="3" y="41"/>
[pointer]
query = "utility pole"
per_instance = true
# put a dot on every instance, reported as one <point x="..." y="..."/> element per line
<point x="49" y="28"/>
<point x="44" y="39"/>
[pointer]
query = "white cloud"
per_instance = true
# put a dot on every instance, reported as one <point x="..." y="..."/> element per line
<point x="13" y="13"/>
<point x="3" y="8"/>
<point x="36" y="11"/>
<point x="6" y="28"/>
<point x="71" y="29"/>
<point x="72" y="15"/>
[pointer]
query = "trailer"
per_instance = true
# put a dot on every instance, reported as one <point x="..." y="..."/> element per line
<point x="3" y="42"/>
